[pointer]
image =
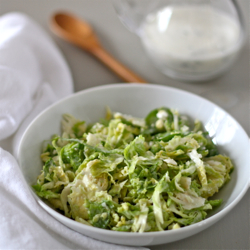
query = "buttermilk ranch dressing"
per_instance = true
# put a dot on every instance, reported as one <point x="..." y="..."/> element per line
<point x="191" y="39"/>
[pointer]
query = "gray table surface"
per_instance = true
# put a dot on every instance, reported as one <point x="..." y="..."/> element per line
<point x="231" y="91"/>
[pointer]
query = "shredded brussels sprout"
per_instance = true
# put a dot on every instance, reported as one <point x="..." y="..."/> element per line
<point x="131" y="174"/>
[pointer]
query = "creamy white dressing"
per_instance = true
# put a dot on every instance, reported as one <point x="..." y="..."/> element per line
<point x="191" y="39"/>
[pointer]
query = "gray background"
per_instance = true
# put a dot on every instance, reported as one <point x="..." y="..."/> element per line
<point x="231" y="91"/>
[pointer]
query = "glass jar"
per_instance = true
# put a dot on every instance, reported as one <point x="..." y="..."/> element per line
<point x="190" y="40"/>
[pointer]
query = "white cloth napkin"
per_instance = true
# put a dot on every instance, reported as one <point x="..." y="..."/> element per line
<point x="33" y="74"/>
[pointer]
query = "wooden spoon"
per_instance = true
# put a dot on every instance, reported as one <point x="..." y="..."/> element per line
<point x="80" y="33"/>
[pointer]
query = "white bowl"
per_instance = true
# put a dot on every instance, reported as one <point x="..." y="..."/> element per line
<point x="138" y="100"/>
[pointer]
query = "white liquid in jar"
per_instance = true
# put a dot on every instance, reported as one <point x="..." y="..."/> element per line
<point x="191" y="41"/>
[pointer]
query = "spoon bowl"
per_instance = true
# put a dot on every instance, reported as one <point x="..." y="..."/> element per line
<point x="80" y="33"/>
<point x="75" y="31"/>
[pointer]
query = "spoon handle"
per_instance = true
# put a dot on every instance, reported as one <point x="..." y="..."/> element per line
<point x="123" y="72"/>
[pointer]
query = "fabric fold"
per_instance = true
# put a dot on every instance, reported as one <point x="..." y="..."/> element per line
<point x="29" y="59"/>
